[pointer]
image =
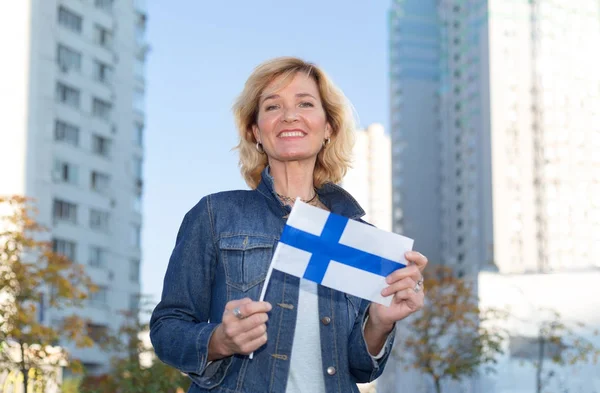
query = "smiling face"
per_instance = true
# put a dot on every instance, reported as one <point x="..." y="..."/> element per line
<point x="291" y="122"/>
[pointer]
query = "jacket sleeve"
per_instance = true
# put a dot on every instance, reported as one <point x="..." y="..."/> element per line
<point x="363" y="366"/>
<point x="179" y="327"/>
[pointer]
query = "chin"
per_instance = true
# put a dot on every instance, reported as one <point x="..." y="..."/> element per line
<point x="295" y="156"/>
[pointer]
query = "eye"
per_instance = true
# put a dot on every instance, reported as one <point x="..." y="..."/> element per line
<point x="270" y="107"/>
<point x="306" y="104"/>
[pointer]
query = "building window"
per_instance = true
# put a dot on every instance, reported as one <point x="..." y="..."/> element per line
<point x="134" y="270"/>
<point x="137" y="201"/>
<point x="138" y="134"/>
<point x="460" y="242"/>
<point x="65" y="132"/>
<point x="64" y="247"/>
<point x="103" y="37"/>
<point x="67" y="58"/>
<point x="460" y="258"/>
<point x="140" y="29"/>
<point x="136" y="236"/>
<point x="103" y="72"/>
<point x="68" y="95"/>
<point x="100" y="182"/>
<point x="99" y="220"/>
<point x="459" y="206"/>
<point x="65" y="172"/>
<point x="69" y="19"/>
<point x="137" y="168"/>
<point x="459" y="223"/>
<point x="99" y="297"/>
<point x="105" y="5"/>
<point x="101" y="145"/>
<point x="138" y="68"/>
<point x="138" y="100"/>
<point x="97" y="257"/>
<point x="134" y="302"/>
<point x="64" y="211"/>
<point x="101" y="109"/>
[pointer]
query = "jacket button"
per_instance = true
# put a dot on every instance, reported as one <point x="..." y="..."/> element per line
<point x="331" y="370"/>
<point x="326" y="320"/>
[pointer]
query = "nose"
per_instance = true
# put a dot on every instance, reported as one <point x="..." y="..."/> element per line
<point x="290" y="115"/>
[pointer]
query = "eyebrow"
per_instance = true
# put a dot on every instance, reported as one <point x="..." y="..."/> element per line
<point x="299" y="95"/>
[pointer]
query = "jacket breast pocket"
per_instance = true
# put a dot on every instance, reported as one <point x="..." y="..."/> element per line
<point x="246" y="259"/>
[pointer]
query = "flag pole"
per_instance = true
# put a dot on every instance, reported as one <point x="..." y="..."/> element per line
<point x="263" y="291"/>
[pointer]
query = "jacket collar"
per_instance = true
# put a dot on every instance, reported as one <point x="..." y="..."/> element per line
<point x="337" y="200"/>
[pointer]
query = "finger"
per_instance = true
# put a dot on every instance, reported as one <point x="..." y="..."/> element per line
<point x="417" y="258"/>
<point x="253" y="334"/>
<point x="230" y="306"/>
<point x="413" y="300"/>
<point x="405" y="283"/>
<point x="253" y="345"/>
<point x="400" y="274"/>
<point x="253" y="321"/>
<point x="237" y="303"/>
<point x="251" y="308"/>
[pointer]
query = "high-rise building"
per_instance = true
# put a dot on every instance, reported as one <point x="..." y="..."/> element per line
<point x="494" y="116"/>
<point x="369" y="179"/>
<point x="495" y="111"/>
<point x="72" y="98"/>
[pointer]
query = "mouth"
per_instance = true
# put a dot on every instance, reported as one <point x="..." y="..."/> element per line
<point x="296" y="133"/>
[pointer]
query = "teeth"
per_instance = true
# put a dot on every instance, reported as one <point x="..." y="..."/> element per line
<point x="291" y="133"/>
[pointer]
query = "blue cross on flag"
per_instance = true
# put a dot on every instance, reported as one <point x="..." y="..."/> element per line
<point x="339" y="253"/>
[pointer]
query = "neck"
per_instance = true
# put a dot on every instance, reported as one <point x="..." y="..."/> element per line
<point x="293" y="179"/>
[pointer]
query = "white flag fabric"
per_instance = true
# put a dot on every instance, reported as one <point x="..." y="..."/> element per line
<point x="338" y="253"/>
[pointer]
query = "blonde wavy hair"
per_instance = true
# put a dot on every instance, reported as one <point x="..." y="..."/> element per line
<point x="334" y="159"/>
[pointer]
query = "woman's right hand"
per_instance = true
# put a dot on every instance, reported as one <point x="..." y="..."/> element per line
<point x="237" y="335"/>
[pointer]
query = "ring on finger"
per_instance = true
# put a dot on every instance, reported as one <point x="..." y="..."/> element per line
<point x="237" y="313"/>
<point x="419" y="286"/>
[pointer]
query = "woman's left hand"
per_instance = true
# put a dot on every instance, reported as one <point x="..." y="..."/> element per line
<point x="406" y="285"/>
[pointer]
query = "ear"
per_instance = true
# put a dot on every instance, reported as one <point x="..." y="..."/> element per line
<point x="256" y="133"/>
<point x="327" y="130"/>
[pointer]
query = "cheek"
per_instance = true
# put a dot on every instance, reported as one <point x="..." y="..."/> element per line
<point x="265" y="122"/>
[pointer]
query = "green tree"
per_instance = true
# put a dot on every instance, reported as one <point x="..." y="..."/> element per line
<point x="451" y="338"/>
<point x="32" y="274"/>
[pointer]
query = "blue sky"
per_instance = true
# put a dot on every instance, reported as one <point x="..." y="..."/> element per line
<point x="201" y="54"/>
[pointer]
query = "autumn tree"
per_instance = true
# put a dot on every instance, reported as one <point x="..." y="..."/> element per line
<point x="136" y="368"/>
<point x="31" y="275"/>
<point x="451" y="337"/>
<point x="561" y="343"/>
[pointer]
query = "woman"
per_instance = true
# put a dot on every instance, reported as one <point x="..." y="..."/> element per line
<point x="295" y="141"/>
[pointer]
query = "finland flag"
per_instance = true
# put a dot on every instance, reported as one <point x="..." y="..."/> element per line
<point x="338" y="253"/>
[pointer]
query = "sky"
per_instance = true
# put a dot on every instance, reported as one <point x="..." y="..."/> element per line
<point x="201" y="54"/>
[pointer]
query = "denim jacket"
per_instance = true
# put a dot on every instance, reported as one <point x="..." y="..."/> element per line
<point x="223" y="250"/>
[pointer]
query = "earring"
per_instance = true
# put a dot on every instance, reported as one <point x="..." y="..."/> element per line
<point x="326" y="141"/>
<point x="259" y="147"/>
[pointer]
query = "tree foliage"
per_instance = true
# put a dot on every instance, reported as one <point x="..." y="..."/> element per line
<point x="32" y="276"/>
<point x="451" y="338"/>
<point x="136" y="369"/>
<point x="561" y="343"/>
